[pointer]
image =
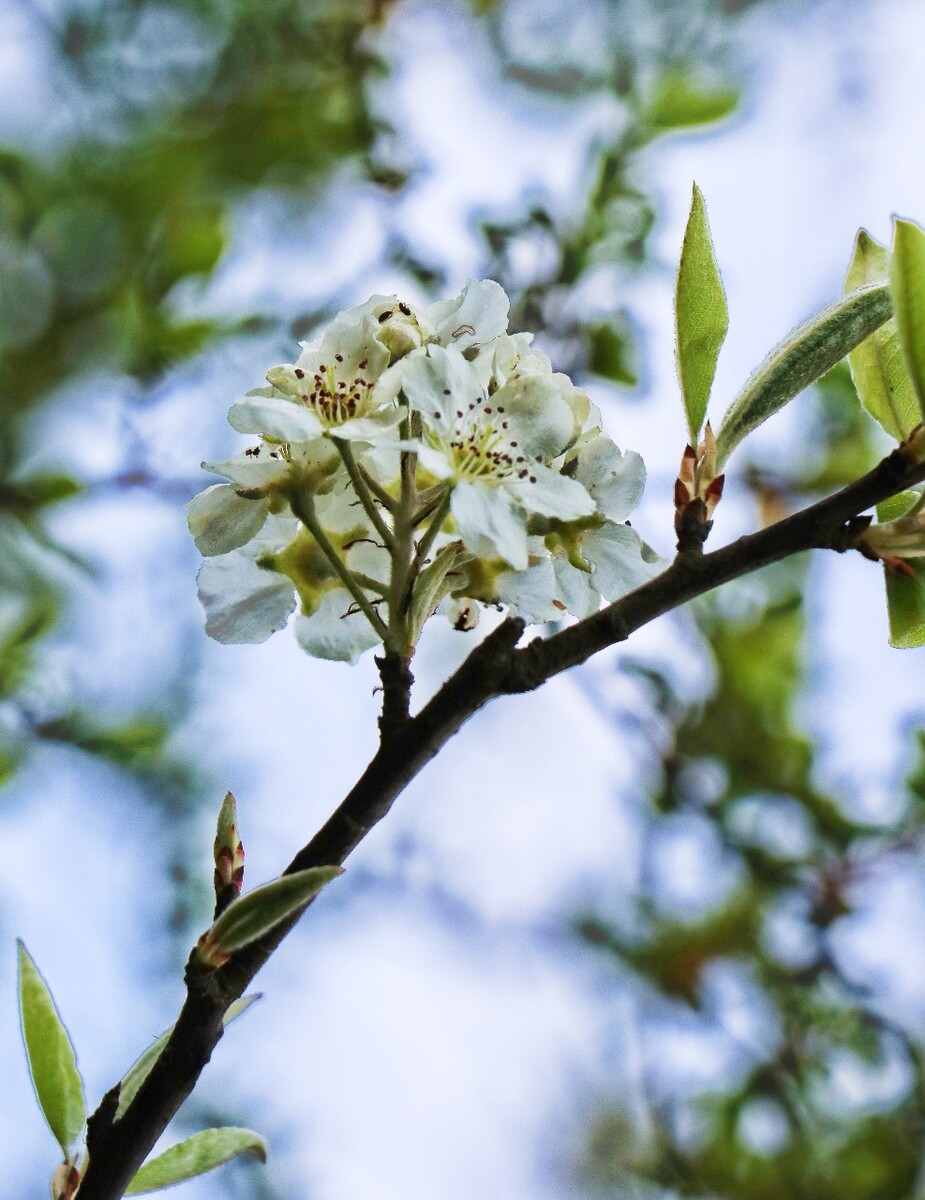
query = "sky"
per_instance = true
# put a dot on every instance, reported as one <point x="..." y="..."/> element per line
<point x="429" y="1032"/>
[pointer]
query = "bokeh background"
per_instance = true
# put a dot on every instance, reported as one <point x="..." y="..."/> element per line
<point x="655" y="931"/>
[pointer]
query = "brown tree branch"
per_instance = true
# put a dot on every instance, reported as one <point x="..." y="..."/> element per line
<point x="496" y="667"/>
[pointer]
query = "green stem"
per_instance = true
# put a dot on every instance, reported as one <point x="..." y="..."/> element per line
<point x="371" y="584"/>
<point x="402" y="567"/>
<point x="363" y="493"/>
<point x="388" y="502"/>
<point x="304" y="508"/>
<point x="427" y="541"/>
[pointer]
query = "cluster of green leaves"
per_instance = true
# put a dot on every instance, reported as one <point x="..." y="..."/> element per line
<point x="879" y="325"/>
<point x="52" y="1060"/>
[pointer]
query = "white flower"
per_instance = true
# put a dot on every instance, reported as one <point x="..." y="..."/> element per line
<point x="250" y="593"/>
<point x="494" y="450"/>
<point x="228" y="515"/>
<point x="330" y="390"/>
<point x="398" y="326"/>
<point x="517" y="499"/>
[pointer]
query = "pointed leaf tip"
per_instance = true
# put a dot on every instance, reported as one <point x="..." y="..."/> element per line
<point x="701" y="315"/>
<point x="50" y="1053"/>
<point x="907" y="287"/>
<point x="197" y="1154"/>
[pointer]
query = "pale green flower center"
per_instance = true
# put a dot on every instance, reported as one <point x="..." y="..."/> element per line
<point x="335" y="400"/>
<point x="479" y="448"/>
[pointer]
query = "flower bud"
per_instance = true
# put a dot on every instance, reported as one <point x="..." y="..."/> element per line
<point x="228" y="854"/>
<point x="697" y="492"/>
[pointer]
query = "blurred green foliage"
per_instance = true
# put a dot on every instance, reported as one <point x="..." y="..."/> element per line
<point x="804" y="1114"/>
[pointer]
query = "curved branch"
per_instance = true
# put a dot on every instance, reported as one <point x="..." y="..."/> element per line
<point x="496" y="667"/>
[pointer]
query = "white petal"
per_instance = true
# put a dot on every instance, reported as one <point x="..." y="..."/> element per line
<point x="540" y="419"/>
<point x="489" y="523"/>
<point x="435" y="460"/>
<point x="275" y="418"/>
<point x="530" y="594"/>
<point x="243" y="603"/>
<point x="476" y="316"/>
<point x="440" y="383"/>
<point x="617" y="564"/>
<point x="220" y="520"/>
<point x="251" y="470"/>
<point x="615" y="480"/>
<point x="330" y="633"/>
<point x="370" y="429"/>
<point x="575" y="589"/>
<point x="546" y="491"/>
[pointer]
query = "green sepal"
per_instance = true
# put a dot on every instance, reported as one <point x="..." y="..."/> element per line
<point x="907" y="284"/>
<point x="50" y="1052"/>
<point x="197" y="1154"/>
<point x="259" y="911"/>
<point x="800" y="359"/>
<point x="139" y="1070"/>
<point x="701" y="316"/>
<point x="434" y="583"/>
<point x="878" y="367"/>
<point x="905" y="594"/>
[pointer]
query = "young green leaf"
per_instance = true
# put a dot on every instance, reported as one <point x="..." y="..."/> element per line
<point x="905" y="594"/>
<point x="140" y="1069"/>
<point x="878" y="368"/>
<point x="52" y="1061"/>
<point x="200" y="1153"/>
<point x="257" y="912"/>
<point x="801" y="358"/>
<point x="701" y="316"/>
<point x="907" y="284"/>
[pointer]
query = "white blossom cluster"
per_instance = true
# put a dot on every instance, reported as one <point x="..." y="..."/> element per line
<point x="415" y="460"/>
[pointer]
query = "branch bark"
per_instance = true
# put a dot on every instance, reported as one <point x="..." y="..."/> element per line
<point x="496" y="667"/>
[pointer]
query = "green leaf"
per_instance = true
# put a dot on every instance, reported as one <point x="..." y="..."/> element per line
<point x="141" y="1068"/>
<point x="681" y="101"/>
<point x="701" y="316"/>
<point x="200" y="1153"/>
<point x="52" y="1061"/>
<point x="878" y="368"/>
<point x="905" y="595"/>
<point x="801" y="358"/>
<point x="257" y="912"/>
<point x="907" y="284"/>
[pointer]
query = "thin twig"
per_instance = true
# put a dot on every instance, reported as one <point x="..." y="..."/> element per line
<point x="495" y="667"/>
<point x="363" y="492"/>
